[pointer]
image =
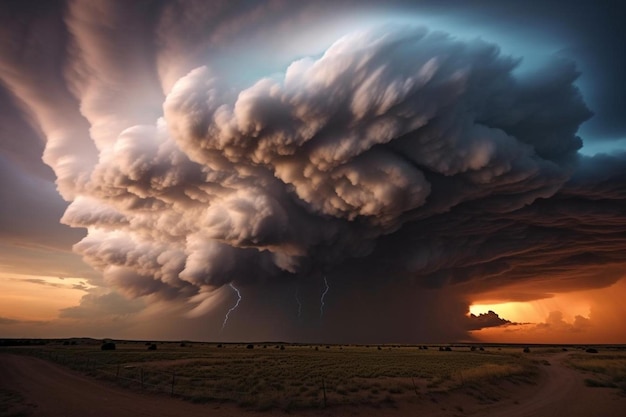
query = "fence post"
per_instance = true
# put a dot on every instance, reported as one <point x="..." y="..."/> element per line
<point x="324" y="391"/>
<point x="173" y="381"/>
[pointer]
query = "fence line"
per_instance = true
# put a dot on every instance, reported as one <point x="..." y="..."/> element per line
<point x="195" y="388"/>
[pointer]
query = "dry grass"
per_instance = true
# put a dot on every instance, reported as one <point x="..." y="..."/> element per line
<point x="296" y="377"/>
<point x="609" y="370"/>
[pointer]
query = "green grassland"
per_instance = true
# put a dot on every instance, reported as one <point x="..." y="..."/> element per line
<point x="266" y="376"/>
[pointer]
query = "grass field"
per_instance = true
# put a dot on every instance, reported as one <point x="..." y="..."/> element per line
<point x="268" y="376"/>
<point x="605" y="370"/>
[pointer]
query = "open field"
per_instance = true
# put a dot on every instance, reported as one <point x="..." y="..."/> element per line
<point x="602" y="370"/>
<point x="265" y="376"/>
<point x="285" y="377"/>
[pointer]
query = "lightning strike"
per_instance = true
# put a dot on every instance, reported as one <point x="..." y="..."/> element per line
<point x="299" y="303"/>
<point x="322" y="298"/>
<point x="233" y="308"/>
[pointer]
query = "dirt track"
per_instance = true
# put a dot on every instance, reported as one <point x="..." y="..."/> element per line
<point x="51" y="390"/>
<point x="562" y="392"/>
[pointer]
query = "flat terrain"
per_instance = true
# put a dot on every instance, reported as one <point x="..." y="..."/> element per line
<point x="457" y="383"/>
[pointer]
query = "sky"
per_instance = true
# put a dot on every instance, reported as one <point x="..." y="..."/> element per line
<point x="339" y="172"/>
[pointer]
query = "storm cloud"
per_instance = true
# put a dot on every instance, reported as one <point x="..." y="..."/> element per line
<point x="399" y="159"/>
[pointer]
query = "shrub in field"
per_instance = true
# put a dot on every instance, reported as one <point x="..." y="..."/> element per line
<point x="108" y="346"/>
<point x="153" y="346"/>
<point x="591" y="350"/>
<point x="250" y="346"/>
<point x="527" y="350"/>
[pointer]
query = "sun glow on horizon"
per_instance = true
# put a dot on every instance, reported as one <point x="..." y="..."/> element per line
<point x="536" y="311"/>
<point x="44" y="295"/>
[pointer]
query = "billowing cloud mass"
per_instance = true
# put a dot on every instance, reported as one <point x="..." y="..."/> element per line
<point x="399" y="159"/>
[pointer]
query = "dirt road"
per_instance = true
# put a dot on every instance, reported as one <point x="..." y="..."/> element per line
<point x="48" y="390"/>
<point x="52" y="391"/>
<point x="562" y="392"/>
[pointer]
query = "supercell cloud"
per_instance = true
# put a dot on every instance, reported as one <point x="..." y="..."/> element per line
<point x="400" y="159"/>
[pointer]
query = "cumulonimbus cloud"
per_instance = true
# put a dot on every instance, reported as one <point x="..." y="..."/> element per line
<point x="398" y="149"/>
<point x="389" y="127"/>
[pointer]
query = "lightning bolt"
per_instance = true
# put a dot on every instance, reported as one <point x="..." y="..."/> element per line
<point x="299" y="303"/>
<point x="322" y="298"/>
<point x="233" y="308"/>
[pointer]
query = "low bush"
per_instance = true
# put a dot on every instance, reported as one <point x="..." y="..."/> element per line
<point x="108" y="346"/>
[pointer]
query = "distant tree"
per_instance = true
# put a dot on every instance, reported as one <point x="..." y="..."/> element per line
<point x="153" y="346"/>
<point x="526" y="349"/>
<point x="250" y="346"/>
